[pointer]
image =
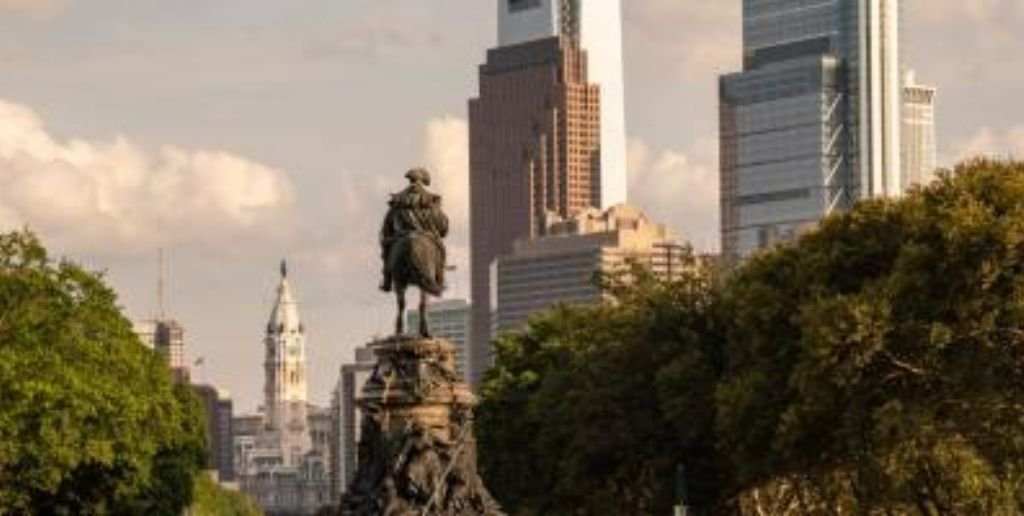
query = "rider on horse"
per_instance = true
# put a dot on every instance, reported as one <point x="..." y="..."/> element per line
<point x="412" y="245"/>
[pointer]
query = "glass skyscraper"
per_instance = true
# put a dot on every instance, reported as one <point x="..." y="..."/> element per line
<point x="597" y="26"/>
<point x="449" y="320"/>
<point x="813" y="122"/>
<point x="547" y="135"/>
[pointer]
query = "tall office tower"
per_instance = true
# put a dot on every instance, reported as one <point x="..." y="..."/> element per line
<point x="547" y="134"/>
<point x="348" y="419"/>
<point x="813" y="122"/>
<point x="597" y="26"/>
<point x="919" y="149"/>
<point x="285" y="389"/>
<point x="315" y="474"/>
<point x="534" y="144"/>
<point x="166" y="337"/>
<point x="245" y="431"/>
<point x="449" y="320"/>
<point x="219" y="433"/>
<point x="559" y="268"/>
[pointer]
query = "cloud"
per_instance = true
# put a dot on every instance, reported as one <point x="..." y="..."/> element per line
<point x="696" y="39"/>
<point x="990" y="142"/>
<point x="374" y="30"/>
<point x="679" y="189"/>
<point x="446" y="154"/>
<point x="93" y="196"/>
<point x="976" y="11"/>
<point x="348" y="248"/>
<point x="36" y="9"/>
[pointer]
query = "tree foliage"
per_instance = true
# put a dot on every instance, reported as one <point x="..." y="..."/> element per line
<point x="577" y="417"/>
<point x="89" y="419"/>
<point x="873" y="367"/>
<point x="877" y="362"/>
<point x="213" y="500"/>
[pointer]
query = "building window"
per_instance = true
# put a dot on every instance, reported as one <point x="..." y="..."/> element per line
<point x="522" y="5"/>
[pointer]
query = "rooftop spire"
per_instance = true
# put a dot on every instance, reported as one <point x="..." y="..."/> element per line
<point x="285" y="314"/>
<point x="162" y="313"/>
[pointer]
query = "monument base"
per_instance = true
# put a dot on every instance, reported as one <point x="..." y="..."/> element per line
<point x="417" y="451"/>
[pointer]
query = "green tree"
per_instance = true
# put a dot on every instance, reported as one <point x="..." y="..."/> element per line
<point x="89" y="420"/>
<point x="876" y="364"/>
<point x="576" y="417"/>
<point x="213" y="500"/>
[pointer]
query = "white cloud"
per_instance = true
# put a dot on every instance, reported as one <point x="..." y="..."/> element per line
<point x="446" y="154"/>
<point x="990" y="142"/>
<point x="375" y="29"/>
<point x="977" y="11"/>
<point x="696" y="39"/>
<point x="39" y="9"/>
<point x="95" y="196"/>
<point x="679" y="189"/>
<point x="348" y="247"/>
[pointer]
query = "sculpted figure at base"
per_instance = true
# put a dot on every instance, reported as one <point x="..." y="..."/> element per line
<point x="417" y="452"/>
<point x="412" y="245"/>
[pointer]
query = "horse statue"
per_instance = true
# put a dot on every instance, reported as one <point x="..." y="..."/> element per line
<point x="412" y="246"/>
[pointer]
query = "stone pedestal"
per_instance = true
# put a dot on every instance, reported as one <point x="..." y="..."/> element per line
<point x="417" y="452"/>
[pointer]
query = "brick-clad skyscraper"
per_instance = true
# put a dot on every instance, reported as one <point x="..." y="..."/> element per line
<point x="535" y="147"/>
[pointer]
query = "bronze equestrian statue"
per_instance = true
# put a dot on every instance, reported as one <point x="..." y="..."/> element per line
<point x="412" y="246"/>
<point x="417" y="450"/>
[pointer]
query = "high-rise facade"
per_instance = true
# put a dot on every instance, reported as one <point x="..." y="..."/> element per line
<point x="347" y="420"/>
<point x="219" y="434"/>
<point x="166" y="337"/>
<point x="919" y="147"/>
<point x="449" y="320"/>
<point x="245" y="430"/>
<point x="547" y="134"/>
<point x="560" y="267"/>
<point x="534" y="150"/>
<point x="814" y="121"/>
<point x="597" y="26"/>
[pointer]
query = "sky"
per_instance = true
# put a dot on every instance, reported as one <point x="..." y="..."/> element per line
<point x="236" y="133"/>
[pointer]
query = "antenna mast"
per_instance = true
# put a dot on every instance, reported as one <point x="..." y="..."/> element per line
<point x="160" y="285"/>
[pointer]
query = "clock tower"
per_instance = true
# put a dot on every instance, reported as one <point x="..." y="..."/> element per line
<point x="285" y="387"/>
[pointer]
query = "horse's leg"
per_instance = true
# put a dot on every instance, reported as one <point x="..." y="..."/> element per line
<point x="400" y="320"/>
<point x="424" y="327"/>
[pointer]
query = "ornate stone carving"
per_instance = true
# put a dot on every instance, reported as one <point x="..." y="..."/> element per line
<point x="417" y="452"/>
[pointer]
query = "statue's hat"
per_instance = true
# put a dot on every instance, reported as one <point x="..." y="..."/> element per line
<point x="418" y="174"/>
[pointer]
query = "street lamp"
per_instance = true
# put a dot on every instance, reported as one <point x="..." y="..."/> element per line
<point x="682" y="507"/>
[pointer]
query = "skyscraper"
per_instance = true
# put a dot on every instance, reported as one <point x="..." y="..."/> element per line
<point x="559" y="268"/>
<point x="449" y="320"/>
<point x="347" y="419"/>
<point x="219" y="434"/>
<point x="919" y="148"/>
<point x="533" y="150"/>
<point x="167" y="337"/>
<point x="543" y="140"/>
<point x="814" y="121"/>
<point x="597" y="26"/>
